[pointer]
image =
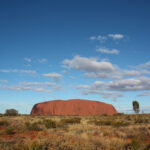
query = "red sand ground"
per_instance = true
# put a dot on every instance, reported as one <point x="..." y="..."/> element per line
<point x="73" y="107"/>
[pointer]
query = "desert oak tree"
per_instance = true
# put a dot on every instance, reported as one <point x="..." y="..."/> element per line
<point x="135" y="106"/>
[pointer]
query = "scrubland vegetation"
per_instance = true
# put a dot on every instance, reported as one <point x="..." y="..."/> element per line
<point x="117" y="132"/>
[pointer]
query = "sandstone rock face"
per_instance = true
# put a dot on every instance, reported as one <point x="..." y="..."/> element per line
<point x="73" y="107"/>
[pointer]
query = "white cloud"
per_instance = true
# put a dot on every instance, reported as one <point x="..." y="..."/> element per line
<point x="111" y="95"/>
<point x="116" y="36"/>
<point x="105" y="94"/>
<point x="145" y="109"/>
<point x="108" y="51"/>
<point x="98" y="83"/>
<point x="27" y="60"/>
<point x="31" y="72"/>
<point x="98" y="87"/>
<point x="4" y="81"/>
<point x="46" y="87"/>
<point x="93" y="68"/>
<point x="104" y="38"/>
<point x="5" y="70"/>
<point x="93" y="38"/>
<point x="50" y="83"/>
<point x="101" y="38"/>
<point x="28" y="65"/>
<point x="132" y="84"/>
<point x="15" y="70"/>
<point x="82" y="86"/>
<point x="65" y="72"/>
<point x="89" y="64"/>
<point x="54" y="76"/>
<point x="33" y="86"/>
<point x="30" y="83"/>
<point x="144" y="94"/>
<point x="72" y="77"/>
<point x="16" y="88"/>
<point x="112" y="89"/>
<point x="41" y="89"/>
<point x="138" y="72"/>
<point x="42" y="60"/>
<point x="38" y="84"/>
<point x="98" y="38"/>
<point x="145" y="65"/>
<point x="58" y="87"/>
<point x="132" y="73"/>
<point x="104" y="75"/>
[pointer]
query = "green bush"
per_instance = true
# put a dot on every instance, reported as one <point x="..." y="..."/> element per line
<point x="32" y="126"/>
<point x="100" y="122"/>
<point x="134" y="145"/>
<point x="3" y="123"/>
<point x="119" y="114"/>
<point x="105" y="122"/>
<point x="50" y="123"/>
<point x="108" y="123"/>
<point x="141" y="120"/>
<point x="71" y="120"/>
<point x="119" y="123"/>
<point x="104" y="115"/>
<point x="11" y="112"/>
<point x="36" y="146"/>
<point x="128" y="117"/>
<point x="33" y="146"/>
<point x="9" y="131"/>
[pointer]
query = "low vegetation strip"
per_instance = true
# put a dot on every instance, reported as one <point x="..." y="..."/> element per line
<point x="113" y="123"/>
<point x="116" y="132"/>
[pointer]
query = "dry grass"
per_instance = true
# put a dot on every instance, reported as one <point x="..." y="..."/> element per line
<point x="118" y="132"/>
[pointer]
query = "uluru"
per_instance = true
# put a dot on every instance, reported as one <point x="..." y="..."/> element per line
<point x="73" y="107"/>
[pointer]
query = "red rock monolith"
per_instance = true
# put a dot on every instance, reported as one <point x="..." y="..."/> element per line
<point x="73" y="107"/>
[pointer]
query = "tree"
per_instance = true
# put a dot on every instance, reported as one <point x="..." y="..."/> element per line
<point x="135" y="106"/>
<point x="11" y="112"/>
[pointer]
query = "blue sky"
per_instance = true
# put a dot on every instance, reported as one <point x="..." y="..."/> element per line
<point x="97" y="50"/>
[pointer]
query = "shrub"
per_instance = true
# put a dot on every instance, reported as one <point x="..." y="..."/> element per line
<point x="105" y="122"/>
<point x="50" y="124"/>
<point x="36" y="146"/>
<point x="100" y="122"/>
<point x="62" y="125"/>
<point x="9" y="131"/>
<point x="128" y="117"/>
<point x="141" y="120"/>
<point x="119" y="114"/>
<point x="3" y="123"/>
<point x="108" y="123"/>
<point x="71" y="120"/>
<point x="119" y="123"/>
<point x="147" y="147"/>
<point x="32" y="126"/>
<point x="11" y="112"/>
<point x="104" y="115"/>
<point x="134" y="145"/>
